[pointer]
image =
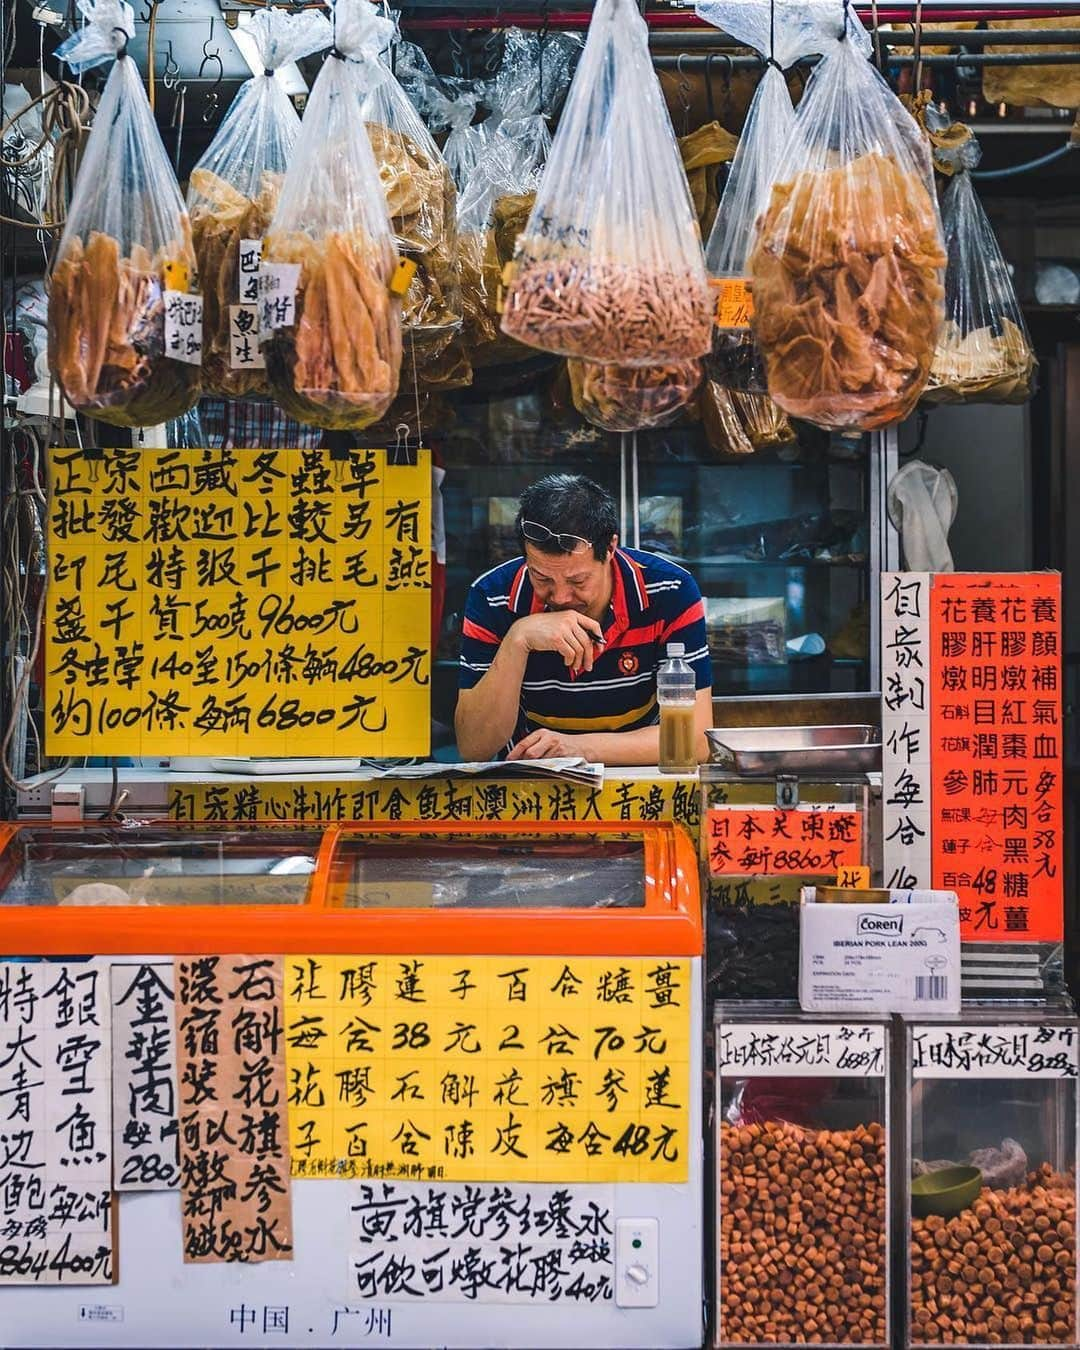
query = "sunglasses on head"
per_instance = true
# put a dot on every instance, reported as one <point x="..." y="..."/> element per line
<point x="536" y="533"/>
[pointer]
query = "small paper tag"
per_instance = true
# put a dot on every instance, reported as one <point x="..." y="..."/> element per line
<point x="248" y="276"/>
<point x="853" y="878"/>
<point x="244" y="353"/>
<point x="183" y="327"/>
<point x="277" y="295"/>
<point x="734" y="303"/>
<point x="177" y="276"/>
<point x="403" y="276"/>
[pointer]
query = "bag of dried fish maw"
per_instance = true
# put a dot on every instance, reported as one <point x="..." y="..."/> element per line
<point x="125" y="257"/>
<point x="632" y="398"/>
<point x="420" y="193"/>
<point x="846" y="269"/>
<point x="232" y="194"/>
<point x="984" y="354"/>
<point x="782" y="35"/>
<point x="330" y="324"/>
<point x="609" y="267"/>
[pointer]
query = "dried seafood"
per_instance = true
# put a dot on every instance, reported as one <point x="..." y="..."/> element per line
<point x="107" y="333"/>
<point x="848" y="293"/>
<point x="982" y="366"/>
<point x="632" y="398"/>
<point x="338" y="365"/>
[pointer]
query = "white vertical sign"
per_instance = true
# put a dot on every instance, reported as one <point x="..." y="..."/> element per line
<point x="145" y="1130"/>
<point x="905" y="728"/>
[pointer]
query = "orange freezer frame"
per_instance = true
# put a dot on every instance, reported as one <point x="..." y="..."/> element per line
<point x="669" y="923"/>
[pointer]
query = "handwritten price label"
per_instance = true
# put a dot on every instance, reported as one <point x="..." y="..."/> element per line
<point x="734" y="303"/>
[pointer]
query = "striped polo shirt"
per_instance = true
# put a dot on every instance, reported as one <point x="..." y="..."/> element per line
<point x="653" y="602"/>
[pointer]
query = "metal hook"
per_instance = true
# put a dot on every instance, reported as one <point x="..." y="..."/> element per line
<point x="172" y="70"/>
<point x="147" y="11"/>
<point x="683" y="91"/>
<point x="212" y="98"/>
<point x="709" y="102"/>
<point x="179" y="109"/>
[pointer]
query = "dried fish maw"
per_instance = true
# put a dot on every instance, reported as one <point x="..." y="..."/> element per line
<point x="631" y="398"/>
<point x="846" y="278"/>
<point x="982" y="366"/>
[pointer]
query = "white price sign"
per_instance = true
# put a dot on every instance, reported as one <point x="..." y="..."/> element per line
<point x="184" y="327"/>
<point x="277" y="295"/>
<point x="248" y="277"/>
<point x="1021" y="1051"/>
<point x="790" y="1050"/>
<point x="244" y="352"/>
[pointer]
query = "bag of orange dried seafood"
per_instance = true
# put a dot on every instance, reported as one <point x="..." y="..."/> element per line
<point x="232" y="193"/>
<point x="632" y="398"/>
<point x="125" y="327"/>
<point x="330" y="322"/>
<point x="782" y="35"/>
<point x="846" y="269"/>
<point x="609" y="267"/>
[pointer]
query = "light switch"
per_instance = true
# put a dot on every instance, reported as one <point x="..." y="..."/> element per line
<point x="637" y="1263"/>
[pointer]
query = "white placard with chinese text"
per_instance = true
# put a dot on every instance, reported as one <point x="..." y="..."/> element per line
<point x="810" y="1050"/>
<point x="1018" y="1051"/>
<point x="905" y="728"/>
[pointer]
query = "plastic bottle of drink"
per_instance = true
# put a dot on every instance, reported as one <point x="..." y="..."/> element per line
<point x="676" y="695"/>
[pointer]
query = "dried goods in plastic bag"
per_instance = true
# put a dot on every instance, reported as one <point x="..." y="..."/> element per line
<point x="632" y="398"/>
<point x="983" y="354"/>
<point x="738" y="423"/>
<point x="782" y="36"/>
<point x="125" y="251"/>
<point x="232" y="194"/>
<point x="609" y="267"/>
<point x="420" y="193"/>
<point x="704" y="153"/>
<point x="846" y="268"/>
<point x="330" y="325"/>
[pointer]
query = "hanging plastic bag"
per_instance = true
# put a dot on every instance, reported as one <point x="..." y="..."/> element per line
<point x="738" y="423"/>
<point x="533" y="76"/>
<point x="330" y="324"/>
<point x="847" y="262"/>
<point x="124" y="326"/>
<point x="704" y="154"/>
<point x="232" y="194"/>
<point x="450" y="105"/>
<point x="782" y="35"/>
<point x="610" y="267"/>
<point x="984" y="354"/>
<point x="420" y="193"/>
<point x="632" y="398"/>
<point x="493" y="210"/>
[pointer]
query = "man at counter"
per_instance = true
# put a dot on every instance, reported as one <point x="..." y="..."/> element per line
<point x="561" y="646"/>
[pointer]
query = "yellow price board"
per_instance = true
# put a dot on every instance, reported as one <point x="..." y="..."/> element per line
<point x="482" y="1068"/>
<point x="238" y="602"/>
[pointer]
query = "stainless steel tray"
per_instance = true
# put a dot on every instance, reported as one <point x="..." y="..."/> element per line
<point x="765" y="751"/>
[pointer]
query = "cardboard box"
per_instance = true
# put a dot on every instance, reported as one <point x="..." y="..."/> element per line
<point x="900" y="956"/>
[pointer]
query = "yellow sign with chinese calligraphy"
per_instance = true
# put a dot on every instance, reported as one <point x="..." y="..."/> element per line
<point x="484" y="1068"/>
<point x="238" y="602"/>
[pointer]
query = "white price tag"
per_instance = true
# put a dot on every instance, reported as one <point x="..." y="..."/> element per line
<point x="1021" y="1051"/>
<point x="183" y="327"/>
<point x="244" y="353"/>
<point x="248" y="275"/>
<point x="277" y="295"/>
<point x="786" y="1049"/>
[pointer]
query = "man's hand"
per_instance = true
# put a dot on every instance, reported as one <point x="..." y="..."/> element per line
<point x="545" y="744"/>
<point x="574" y="636"/>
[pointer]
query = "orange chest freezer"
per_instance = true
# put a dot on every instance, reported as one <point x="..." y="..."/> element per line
<point x="488" y="1047"/>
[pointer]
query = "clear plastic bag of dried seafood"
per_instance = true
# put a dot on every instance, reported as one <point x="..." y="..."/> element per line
<point x="451" y="107"/>
<point x="738" y="421"/>
<point x="232" y="193"/>
<point x="632" y="398"/>
<point x="492" y="211"/>
<point x="782" y="36"/>
<point x="330" y="322"/>
<point x="124" y="324"/>
<point x="420" y="193"/>
<point x="984" y="354"/>
<point x="609" y="267"/>
<point x="846" y="267"/>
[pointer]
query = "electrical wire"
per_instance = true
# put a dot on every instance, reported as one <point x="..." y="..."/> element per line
<point x="64" y="126"/>
<point x="987" y="174"/>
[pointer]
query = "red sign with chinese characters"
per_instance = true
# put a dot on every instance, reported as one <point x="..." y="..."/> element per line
<point x="996" y="752"/>
<point x="803" y="842"/>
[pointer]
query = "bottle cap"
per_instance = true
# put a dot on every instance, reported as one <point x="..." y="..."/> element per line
<point x="676" y="649"/>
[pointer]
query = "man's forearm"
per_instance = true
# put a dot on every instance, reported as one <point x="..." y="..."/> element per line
<point x="488" y="712"/>
<point x="622" y="747"/>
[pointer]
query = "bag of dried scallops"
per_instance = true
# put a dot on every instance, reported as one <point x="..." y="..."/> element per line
<point x="983" y="354"/>
<point x="782" y="36"/>
<point x="125" y="253"/>
<point x="330" y="324"/>
<point x="847" y="262"/>
<point x="420" y="193"/>
<point x="232" y="194"/>
<point x="609" y="267"/>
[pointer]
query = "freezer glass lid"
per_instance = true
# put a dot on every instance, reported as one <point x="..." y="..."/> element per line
<point x="555" y="872"/>
<point x="114" y="865"/>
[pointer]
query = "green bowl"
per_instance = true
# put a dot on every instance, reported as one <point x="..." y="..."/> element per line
<point x="946" y="1192"/>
